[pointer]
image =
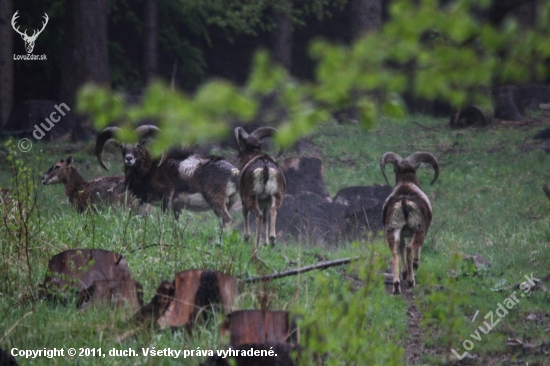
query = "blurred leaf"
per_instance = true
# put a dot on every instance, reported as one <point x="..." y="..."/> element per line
<point x="499" y="285"/>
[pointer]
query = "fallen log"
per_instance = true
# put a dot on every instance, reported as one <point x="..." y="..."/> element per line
<point x="293" y="272"/>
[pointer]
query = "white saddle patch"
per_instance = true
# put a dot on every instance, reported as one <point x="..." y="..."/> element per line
<point x="188" y="166"/>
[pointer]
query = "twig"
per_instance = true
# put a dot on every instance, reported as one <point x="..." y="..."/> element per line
<point x="425" y="127"/>
<point x="320" y="265"/>
<point x="13" y="327"/>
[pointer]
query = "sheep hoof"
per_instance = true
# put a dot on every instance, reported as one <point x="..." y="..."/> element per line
<point x="415" y="265"/>
<point x="247" y="238"/>
<point x="272" y="240"/>
<point x="396" y="288"/>
<point x="411" y="284"/>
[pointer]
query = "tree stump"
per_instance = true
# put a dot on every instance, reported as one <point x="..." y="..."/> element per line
<point x="117" y="293"/>
<point x="78" y="269"/>
<point x="281" y="356"/>
<point x="189" y="298"/>
<point x="259" y="326"/>
<point x="505" y="105"/>
<point x="470" y="116"/>
<point x="546" y="191"/>
<point x="6" y="359"/>
<point x="253" y="332"/>
<point x="304" y="174"/>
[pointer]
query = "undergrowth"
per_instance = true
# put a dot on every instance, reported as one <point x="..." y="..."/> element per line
<point x="487" y="201"/>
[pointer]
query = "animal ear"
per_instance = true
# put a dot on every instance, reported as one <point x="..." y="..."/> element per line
<point x="70" y="160"/>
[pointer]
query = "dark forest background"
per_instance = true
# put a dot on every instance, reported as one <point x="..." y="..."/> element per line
<point x="128" y="43"/>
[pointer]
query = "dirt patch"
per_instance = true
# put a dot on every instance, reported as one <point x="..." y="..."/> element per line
<point x="414" y="345"/>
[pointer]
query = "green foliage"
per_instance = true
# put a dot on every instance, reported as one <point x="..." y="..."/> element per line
<point x="20" y="226"/>
<point x="487" y="176"/>
<point x="350" y="326"/>
<point x="436" y="52"/>
<point x="249" y="16"/>
<point x="193" y="120"/>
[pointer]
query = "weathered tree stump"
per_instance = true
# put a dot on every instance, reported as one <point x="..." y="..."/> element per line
<point x="242" y="358"/>
<point x="78" y="269"/>
<point x="505" y="104"/>
<point x="471" y="116"/>
<point x="116" y="293"/>
<point x="259" y="326"/>
<point x="546" y="191"/>
<point x="189" y="298"/>
<point x="304" y="174"/>
<point x="257" y="338"/>
<point x="363" y="210"/>
<point x="6" y="359"/>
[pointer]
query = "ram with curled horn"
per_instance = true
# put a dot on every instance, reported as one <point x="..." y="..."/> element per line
<point x="180" y="179"/>
<point x="407" y="213"/>
<point x="261" y="184"/>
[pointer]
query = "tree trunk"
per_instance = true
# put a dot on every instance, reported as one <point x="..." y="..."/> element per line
<point x="150" y="63"/>
<point x="6" y="61"/>
<point x="505" y="104"/>
<point x="366" y="16"/>
<point x="85" y="53"/>
<point x="282" y="40"/>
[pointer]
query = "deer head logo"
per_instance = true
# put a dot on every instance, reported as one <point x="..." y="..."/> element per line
<point x="29" y="40"/>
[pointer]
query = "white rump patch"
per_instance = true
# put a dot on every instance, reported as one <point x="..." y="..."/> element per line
<point x="270" y="187"/>
<point x="187" y="167"/>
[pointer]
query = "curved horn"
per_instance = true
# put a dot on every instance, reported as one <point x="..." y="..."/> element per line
<point x="263" y="132"/>
<point x="389" y="157"/>
<point x="424" y="157"/>
<point x="162" y="159"/>
<point x="100" y="141"/>
<point x="147" y="131"/>
<point x="240" y="134"/>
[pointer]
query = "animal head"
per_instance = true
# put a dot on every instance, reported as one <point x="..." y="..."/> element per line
<point x="409" y="165"/>
<point x="29" y="40"/>
<point x="131" y="152"/>
<point x="252" y="143"/>
<point x="59" y="172"/>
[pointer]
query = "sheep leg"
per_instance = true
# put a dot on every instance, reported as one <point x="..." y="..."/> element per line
<point x="416" y="260"/>
<point x="246" y="227"/>
<point x="265" y="226"/>
<point x="403" y="258"/>
<point x="221" y="211"/>
<point x="259" y="220"/>
<point x="415" y="246"/>
<point x="409" y="264"/>
<point x="272" y="228"/>
<point x="392" y="236"/>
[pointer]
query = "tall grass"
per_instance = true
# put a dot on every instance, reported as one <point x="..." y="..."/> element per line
<point x="487" y="200"/>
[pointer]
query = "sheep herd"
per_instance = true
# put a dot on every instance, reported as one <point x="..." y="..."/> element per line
<point x="181" y="179"/>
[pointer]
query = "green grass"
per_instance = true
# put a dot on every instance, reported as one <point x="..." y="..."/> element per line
<point x="487" y="201"/>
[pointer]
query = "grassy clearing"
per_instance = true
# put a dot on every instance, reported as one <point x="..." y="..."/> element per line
<point x="487" y="200"/>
